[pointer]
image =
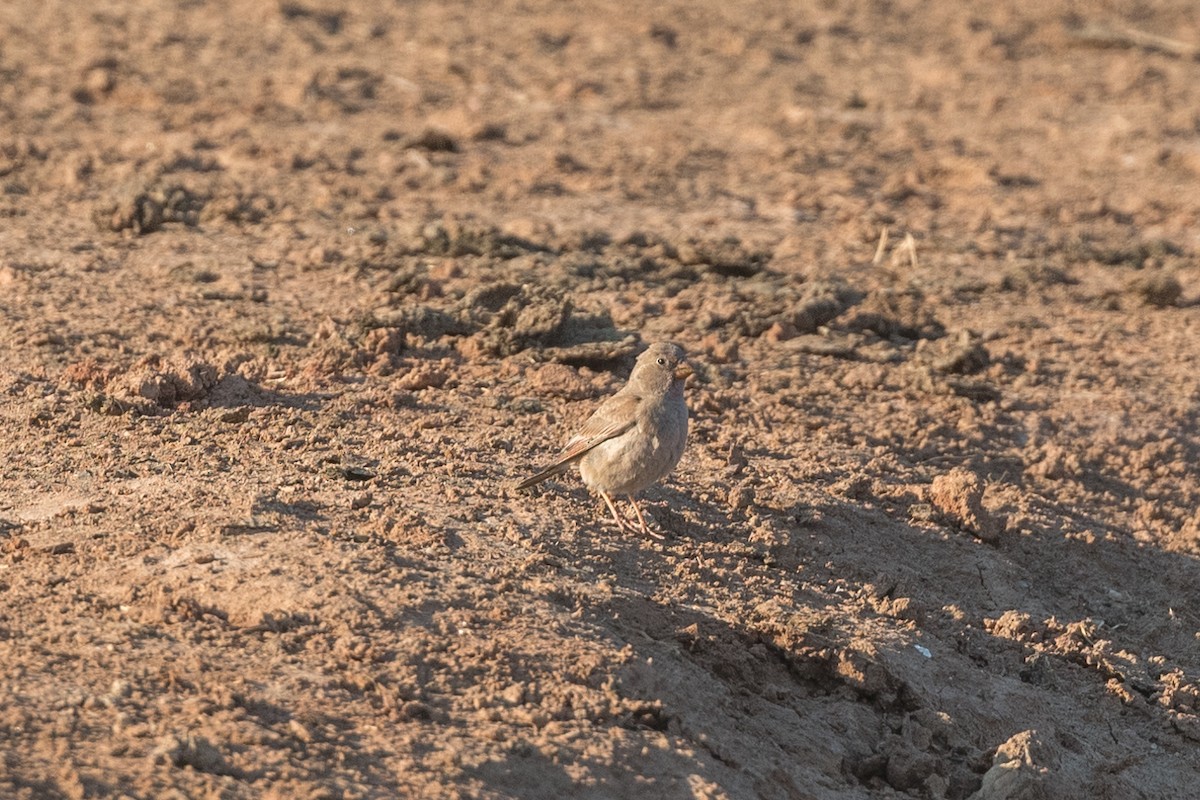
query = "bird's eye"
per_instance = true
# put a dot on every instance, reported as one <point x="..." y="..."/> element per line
<point x="662" y="362"/>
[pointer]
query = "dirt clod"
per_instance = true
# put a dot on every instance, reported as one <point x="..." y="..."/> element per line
<point x="157" y="382"/>
<point x="1019" y="770"/>
<point x="958" y="495"/>
<point x="191" y="751"/>
<point x="1157" y="290"/>
<point x="146" y="211"/>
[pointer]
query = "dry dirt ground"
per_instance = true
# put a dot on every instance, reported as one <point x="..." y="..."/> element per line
<point x="293" y="290"/>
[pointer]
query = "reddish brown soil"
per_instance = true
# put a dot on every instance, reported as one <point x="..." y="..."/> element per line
<point x="292" y="291"/>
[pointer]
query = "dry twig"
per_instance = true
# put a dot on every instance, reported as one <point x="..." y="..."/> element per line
<point x="1100" y="35"/>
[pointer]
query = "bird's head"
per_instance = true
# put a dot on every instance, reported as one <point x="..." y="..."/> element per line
<point x="660" y="367"/>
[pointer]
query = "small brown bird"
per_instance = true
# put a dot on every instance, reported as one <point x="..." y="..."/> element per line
<point x="635" y="437"/>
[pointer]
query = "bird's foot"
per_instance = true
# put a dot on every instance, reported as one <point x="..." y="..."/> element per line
<point x="653" y="534"/>
<point x="643" y="527"/>
<point x="625" y="526"/>
<point x="622" y="523"/>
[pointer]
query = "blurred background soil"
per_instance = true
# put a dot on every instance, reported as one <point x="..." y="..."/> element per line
<point x="292" y="291"/>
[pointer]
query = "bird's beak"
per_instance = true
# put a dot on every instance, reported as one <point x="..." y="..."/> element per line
<point x="682" y="372"/>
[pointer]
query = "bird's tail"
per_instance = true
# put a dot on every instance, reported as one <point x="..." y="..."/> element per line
<point x="548" y="472"/>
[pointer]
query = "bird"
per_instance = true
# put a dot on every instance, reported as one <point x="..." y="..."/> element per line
<point x="634" y="438"/>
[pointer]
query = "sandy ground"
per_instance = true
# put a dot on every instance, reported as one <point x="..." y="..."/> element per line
<point x="293" y="291"/>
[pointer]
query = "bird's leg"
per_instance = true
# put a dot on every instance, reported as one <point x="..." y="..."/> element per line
<point x="642" y="520"/>
<point x="621" y="523"/>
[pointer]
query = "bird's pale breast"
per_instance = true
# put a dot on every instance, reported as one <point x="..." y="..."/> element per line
<point x="644" y="454"/>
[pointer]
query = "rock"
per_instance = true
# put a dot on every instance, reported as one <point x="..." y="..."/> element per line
<point x="423" y="375"/>
<point x="145" y="210"/>
<point x="1156" y="289"/>
<point x="191" y="751"/>
<point x="824" y="303"/>
<point x="434" y="141"/>
<point x="861" y="668"/>
<point x="513" y="318"/>
<point x="1018" y="771"/>
<point x="729" y="257"/>
<point x="1016" y="625"/>
<point x="155" y="382"/>
<point x="958" y="495"/>
<point x="908" y="769"/>
<point x="780" y="332"/>
<point x="966" y="355"/>
<point x="740" y="496"/>
<point x="1056" y="463"/>
<point x="890" y="314"/>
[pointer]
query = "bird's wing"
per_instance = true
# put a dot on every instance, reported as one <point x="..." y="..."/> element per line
<point x="615" y="415"/>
